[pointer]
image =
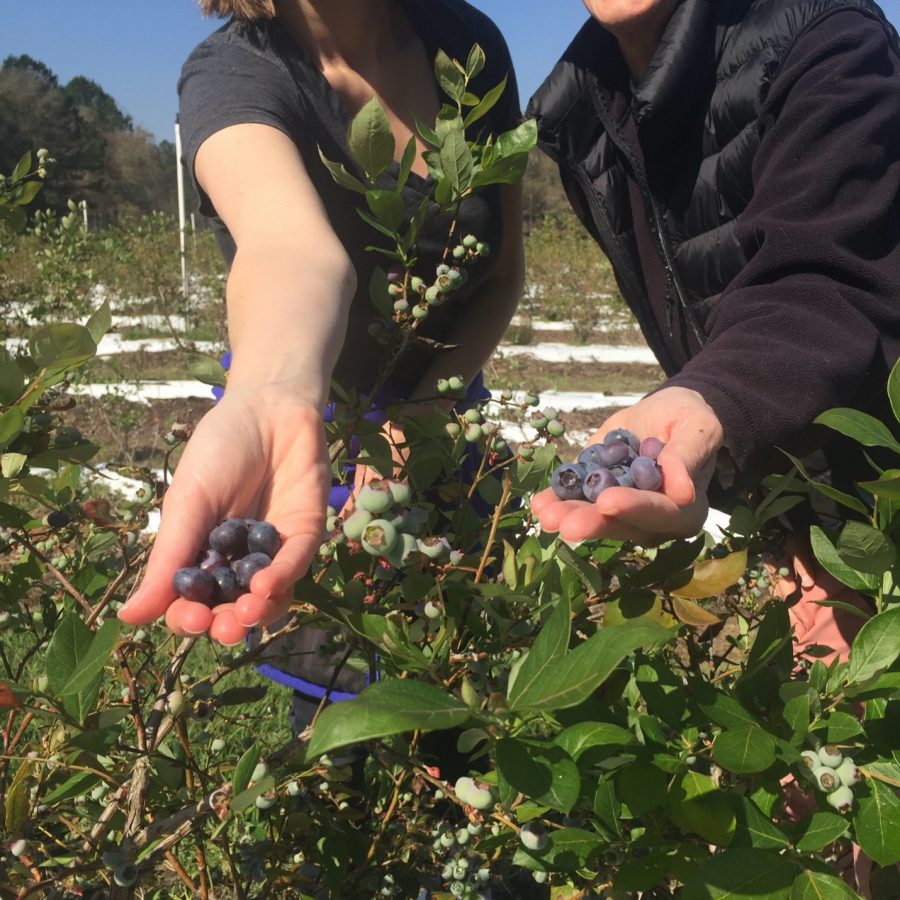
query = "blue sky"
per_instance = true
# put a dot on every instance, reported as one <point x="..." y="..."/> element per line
<point x="134" y="48"/>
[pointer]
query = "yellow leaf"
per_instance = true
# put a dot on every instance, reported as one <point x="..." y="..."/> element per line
<point x="693" y="614"/>
<point x="712" y="576"/>
<point x="17" y="800"/>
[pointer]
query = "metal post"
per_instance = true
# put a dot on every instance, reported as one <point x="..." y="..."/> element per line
<point x="181" y="213"/>
<point x="84" y="215"/>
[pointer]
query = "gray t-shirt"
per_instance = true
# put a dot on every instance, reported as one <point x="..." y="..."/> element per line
<point x="255" y="73"/>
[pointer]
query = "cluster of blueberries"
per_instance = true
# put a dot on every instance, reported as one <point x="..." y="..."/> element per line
<point x="832" y="773"/>
<point x="238" y="549"/>
<point x="622" y="460"/>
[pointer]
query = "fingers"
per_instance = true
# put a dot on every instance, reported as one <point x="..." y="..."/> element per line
<point x="251" y="609"/>
<point x="225" y="627"/>
<point x="186" y="521"/>
<point x="188" y="618"/>
<point x="289" y="565"/>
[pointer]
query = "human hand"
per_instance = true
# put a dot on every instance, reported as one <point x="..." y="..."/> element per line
<point x="258" y="454"/>
<point x="692" y="434"/>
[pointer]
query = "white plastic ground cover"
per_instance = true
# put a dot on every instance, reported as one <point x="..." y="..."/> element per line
<point x="545" y="325"/>
<point x="146" y="391"/>
<point x="602" y="353"/>
<point x="569" y="401"/>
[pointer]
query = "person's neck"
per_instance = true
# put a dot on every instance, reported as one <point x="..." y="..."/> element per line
<point x="356" y="32"/>
<point x="638" y="40"/>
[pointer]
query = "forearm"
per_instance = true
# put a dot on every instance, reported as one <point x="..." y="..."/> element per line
<point x="287" y="317"/>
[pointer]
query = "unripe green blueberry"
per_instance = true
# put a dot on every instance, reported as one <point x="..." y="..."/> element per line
<point x="432" y="611"/>
<point x="539" y="877"/>
<point x="420" y="311"/>
<point x="841" y="799"/>
<point x="482" y="249"/>
<point x="18" y="847"/>
<point x="266" y="800"/>
<point x="462" y="837"/>
<point x="473" y="416"/>
<point x="438" y="794"/>
<point x="217" y="745"/>
<point x="533" y="836"/>
<point x="434" y="547"/>
<point x="125" y="875"/>
<point x="401" y="305"/>
<point x="433" y="295"/>
<point x="829" y="755"/>
<point x="826" y="778"/>
<point x="456" y="383"/>
<point x="293" y="788"/>
<point x="457" y="888"/>
<point x="531" y="400"/>
<point x="442" y="385"/>
<point x="464" y="787"/>
<point x="356" y="523"/>
<point x="453" y="429"/>
<point x="175" y="702"/>
<point x="473" y="433"/>
<point x="459" y="252"/>
<point x="259" y="772"/>
<point x="447" y="839"/>
<point x="403" y="549"/>
<point x="811" y="759"/>
<point x="848" y="772"/>
<point x="442" y="269"/>
<point x="400" y="492"/>
<point x="481" y="799"/>
<point x="475" y="828"/>
<point x="375" y="497"/>
<point x="500" y="445"/>
<point x="378" y="537"/>
<point x="417" y="284"/>
<point x="469" y="241"/>
<point x="556" y="429"/>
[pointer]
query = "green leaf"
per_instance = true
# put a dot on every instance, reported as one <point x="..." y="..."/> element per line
<point x="387" y="707"/>
<point x="521" y="139"/>
<point x="810" y="885"/>
<point x="585" y="569"/>
<point x="860" y="426"/>
<point x="549" y="646"/>
<point x="865" y="548"/>
<point x="876" y="647"/>
<point x="486" y="104"/>
<point x="819" y="830"/>
<point x="207" y="369"/>
<point x="75" y="655"/>
<point x="573" y="678"/>
<point x="17" y="802"/>
<point x="641" y="786"/>
<point x="370" y="139"/>
<point x="11" y="424"/>
<point x="699" y="806"/>
<point x="827" y="490"/>
<point x="576" y="739"/>
<point x="567" y="850"/>
<point x="753" y="828"/>
<point x="341" y="176"/>
<point x="406" y="163"/>
<point x="545" y="774"/>
<point x="893" y="387"/>
<point x="475" y="61"/>
<point x="100" y="322"/>
<point x="877" y="824"/>
<point x="61" y="346"/>
<point x="828" y="556"/>
<point x="888" y="488"/>
<point x="673" y="559"/>
<point x="244" y="769"/>
<point x="387" y="207"/>
<point x="742" y="874"/>
<point x="11" y="378"/>
<point x="456" y="161"/>
<point x="449" y="76"/>
<point x="244" y="800"/>
<point x="508" y="170"/>
<point x="840" y="727"/>
<point x="744" y="750"/>
<point x="79" y="783"/>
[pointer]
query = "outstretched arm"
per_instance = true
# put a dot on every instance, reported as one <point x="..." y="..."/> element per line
<point x="261" y="451"/>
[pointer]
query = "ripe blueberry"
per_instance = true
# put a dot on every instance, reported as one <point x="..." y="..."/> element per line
<point x="194" y="584"/>
<point x="623" y="434"/>
<point x="646" y="474"/>
<point x="246" y="567"/>
<point x="212" y="560"/>
<point x="230" y="538"/>
<point x="598" y="480"/>
<point x="651" y="446"/>
<point x="568" y="481"/>
<point x="615" y="453"/>
<point x="228" y="588"/>
<point x="264" y="538"/>
<point x="590" y="456"/>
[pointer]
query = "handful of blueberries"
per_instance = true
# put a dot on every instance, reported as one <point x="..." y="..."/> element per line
<point x="238" y="549"/>
<point x="622" y="460"/>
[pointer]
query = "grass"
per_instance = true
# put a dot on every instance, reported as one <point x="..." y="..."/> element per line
<point x="608" y="378"/>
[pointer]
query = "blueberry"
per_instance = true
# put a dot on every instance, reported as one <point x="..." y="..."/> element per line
<point x="646" y="474"/>
<point x="623" y="434"/>
<point x="590" y="456"/>
<point x="827" y="779"/>
<point x="230" y="538"/>
<point x="841" y="799"/>
<point x="379" y="537"/>
<point x="59" y="518"/>
<point x="125" y="875"/>
<point x="830" y="756"/>
<point x="623" y="476"/>
<point x="264" y="538"/>
<point x="246" y="567"/>
<point x="533" y="836"/>
<point x="848" y="772"/>
<point x="228" y="589"/>
<point x="615" y="453"/>
<point x="568" y="480"/>
<point x="355" y="523"/>
<point x="194" y="584"/>
<point x="212" y="560"/>
<point x="598" y="480"/>
<point x="651" y="446"/>
<point x="375" y="497"/>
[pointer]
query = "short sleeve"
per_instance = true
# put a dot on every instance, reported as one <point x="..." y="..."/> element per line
<point x="224" y="83"/>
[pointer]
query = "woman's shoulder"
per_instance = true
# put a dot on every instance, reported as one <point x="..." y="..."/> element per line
<point x="459" y="20"/>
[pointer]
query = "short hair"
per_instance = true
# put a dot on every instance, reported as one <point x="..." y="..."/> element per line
<point x="240" y="9"/>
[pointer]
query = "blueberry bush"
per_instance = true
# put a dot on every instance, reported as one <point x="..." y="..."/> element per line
<point x="539" y="719"/>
